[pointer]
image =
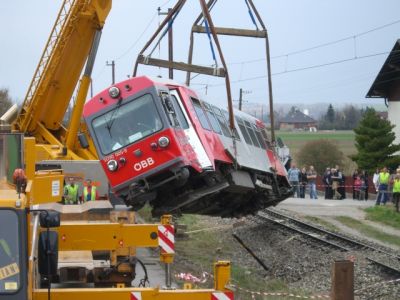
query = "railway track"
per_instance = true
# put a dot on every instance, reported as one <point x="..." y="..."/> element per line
<point x="387" y="262"/>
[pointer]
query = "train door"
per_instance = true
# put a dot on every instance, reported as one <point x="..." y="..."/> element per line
<point x="192" y="136"/>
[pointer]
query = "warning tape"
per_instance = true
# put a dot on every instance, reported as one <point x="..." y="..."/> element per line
<point x="377" y="284"/>
<point x="282" y="294"/>
<point x="189" y="277"/>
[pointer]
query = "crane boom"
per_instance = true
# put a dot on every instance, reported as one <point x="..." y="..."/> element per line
<point x="58" y="72"/>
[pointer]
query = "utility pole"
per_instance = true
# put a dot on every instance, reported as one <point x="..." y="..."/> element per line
<point x="112" y="64"/>
<point x="241" y="93"/>
<point x="170" y="41"/>
<point x="240" y="98"/>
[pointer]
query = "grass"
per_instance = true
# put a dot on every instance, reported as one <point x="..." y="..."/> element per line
<point x="343" y="138"/>
<point x="369" y="231"/>
<point x="384" y="214"/>
<point x="323" y="223"/>
<point x="296" y="139"/>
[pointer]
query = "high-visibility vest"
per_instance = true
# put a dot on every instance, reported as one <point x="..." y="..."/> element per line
<point x="396" y="186"/>
<point x="72" y="192"/>
<point x="384" y="178"/>
<point x="92" y="193"/>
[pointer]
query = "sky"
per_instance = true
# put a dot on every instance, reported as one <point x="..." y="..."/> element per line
<point x="350" y="66"/>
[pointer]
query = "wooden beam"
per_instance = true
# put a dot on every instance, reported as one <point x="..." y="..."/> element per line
<point x="232" y="31"/>
<point x="219" y="72"/>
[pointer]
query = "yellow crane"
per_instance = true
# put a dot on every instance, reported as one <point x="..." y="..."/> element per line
<point x="73" y="42"/>
<point x="31" y="236"/>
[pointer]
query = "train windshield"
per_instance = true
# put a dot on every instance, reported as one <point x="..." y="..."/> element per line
<point x="127" y="123"/>
<point x="9" y="252"/>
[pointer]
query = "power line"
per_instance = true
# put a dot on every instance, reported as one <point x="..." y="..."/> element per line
<point x="138" y="39"/>
<point x="165" y="3"/>
<point x="321" y="45"/>
<point x="305" y="68"/>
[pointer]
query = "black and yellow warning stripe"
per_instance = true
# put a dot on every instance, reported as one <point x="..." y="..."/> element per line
<point x="9" y="271"/>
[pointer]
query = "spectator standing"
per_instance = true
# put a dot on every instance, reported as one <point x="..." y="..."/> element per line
<point x="312" y="179"/>
<point x="396" y="189"/>
<point x="327" y="181"/>
<point x="375" y="179"/>
<point x="342" y="183"/>
<point x="303" y="182"/>
<point x="294" y="175"/>
<point x="357" y="188"/>
<point x="355" y="175"/>
<point x="365" y="179"/>
<point x="383" y="182"/>
<point x="335" y="184"/>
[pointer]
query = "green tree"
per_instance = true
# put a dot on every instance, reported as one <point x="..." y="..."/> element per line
<point x="320" y="154"/>
<point x="374" y="143"/>
<point x="5" y="101"/>
<point x="330" y="114"/>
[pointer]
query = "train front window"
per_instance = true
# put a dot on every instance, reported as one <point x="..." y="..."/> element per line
<point x="9" y="252"/>
<point x="126" y="124"/>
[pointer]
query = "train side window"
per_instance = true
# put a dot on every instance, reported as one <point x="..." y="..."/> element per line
<point x="169" y="109"/>
<point x="252" y="134"/>
<point x="265" y="136"/>
<point x="213" y="120"/>
<point x="259" y="138"/>
<point x="221" y="120"/>
<point x="244" y="131"/>
<point x="226" y="116"/>
<point x="201" y="114"/>
<point x="179" y="113"/>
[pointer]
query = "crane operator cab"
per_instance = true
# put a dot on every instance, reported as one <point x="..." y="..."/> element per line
<point x="10" y="253"/>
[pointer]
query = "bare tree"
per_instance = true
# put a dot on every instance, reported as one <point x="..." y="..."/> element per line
<point x="5" y="101"/>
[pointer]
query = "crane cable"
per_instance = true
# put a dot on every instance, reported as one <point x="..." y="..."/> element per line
<point x="170" y="23"/>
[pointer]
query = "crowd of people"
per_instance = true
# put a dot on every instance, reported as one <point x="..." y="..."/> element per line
<point x="334" y="184"/>
<point x="387" y="186"/>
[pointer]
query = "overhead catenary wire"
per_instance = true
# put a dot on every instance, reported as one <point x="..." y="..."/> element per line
<point x="138" y="39"/>
<point x="354" y="36"/>
<point x="304" y="68"/>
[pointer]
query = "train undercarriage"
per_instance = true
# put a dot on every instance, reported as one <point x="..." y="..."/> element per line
<point x="227" y="192"/>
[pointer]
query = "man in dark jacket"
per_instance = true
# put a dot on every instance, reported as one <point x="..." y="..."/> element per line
<point x="327" y="182"/>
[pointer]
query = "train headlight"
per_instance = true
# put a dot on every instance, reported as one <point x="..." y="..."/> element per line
<point x="114" y="92"/>
<point x="112" y="165"/>
<point x="163" y="142"/>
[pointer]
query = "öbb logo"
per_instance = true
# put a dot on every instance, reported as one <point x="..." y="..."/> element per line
<point x="143" y="164"/>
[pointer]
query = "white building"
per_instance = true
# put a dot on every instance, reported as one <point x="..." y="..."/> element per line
<point x="387" y="86"/>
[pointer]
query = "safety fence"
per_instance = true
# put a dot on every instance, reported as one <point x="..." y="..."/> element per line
<point x="204" y="277"/>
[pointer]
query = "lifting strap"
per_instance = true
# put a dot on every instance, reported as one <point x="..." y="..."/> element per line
<point x="251" y="14"/>
<point x="211" y="43"/>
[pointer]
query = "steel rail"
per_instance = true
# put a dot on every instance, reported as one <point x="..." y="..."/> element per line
<point x="324" y="236"/>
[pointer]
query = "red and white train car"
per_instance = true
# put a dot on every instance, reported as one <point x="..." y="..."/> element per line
<point x="158" y="142"/>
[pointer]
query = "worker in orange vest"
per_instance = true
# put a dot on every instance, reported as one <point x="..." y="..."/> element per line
<point x="89" y="191"/>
